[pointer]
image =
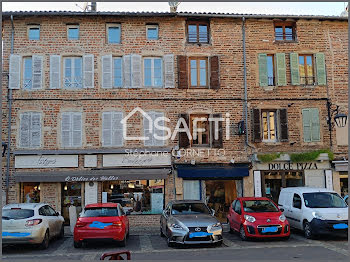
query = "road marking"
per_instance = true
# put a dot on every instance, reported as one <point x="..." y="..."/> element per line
<point x="145" y="243"/>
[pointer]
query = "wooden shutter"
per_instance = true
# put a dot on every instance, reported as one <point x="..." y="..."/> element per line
<point x="184" y="142"/>
<point x="127" y="70"/>
<point x="88" y="65"/>
<point x="117" y="129"/>
<point x="263" y="79"/>
<point x="283" y="117"/>
<point x="55" y="71"/>
<point x="136" y="80"/>
<point x="281" y="69"/>
<point x="169" y="71"/>
<point x="24" y="130"/>
<point x="216" y="143"/>
<point x="256" y="126"/>
<point x="106" y="129"/>
<point x="306" y="124"/>
<point x="214" y="72"/>
<point x="35" y="130"/>
<point x="37" y="71"/>
<point x="182" y="72"/>
<point x="77" y="130"/>
<point x="321" y="69"/>
<point x="315" y="125"/>
<point x="66" y="131"/>
<point x="294" y="69"/>
<point x="107" y="71"/>
<point x="15" y="72"/>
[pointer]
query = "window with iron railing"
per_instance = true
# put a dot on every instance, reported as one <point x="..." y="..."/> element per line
<point x="197" y="32"/>
<point x="73" y="72"/>
<point x="270" y="70"/>
<point x="285" y="31"/>
<point x="306" y="70"/>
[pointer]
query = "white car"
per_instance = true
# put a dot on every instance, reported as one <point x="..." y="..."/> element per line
<point x="316" y="211"/>
<point x="31" y="223"/>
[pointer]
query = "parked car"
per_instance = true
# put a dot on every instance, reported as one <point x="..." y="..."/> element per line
<point x="190" y="222"/>
<point x="257" y="217"/>
<point x="316" y="211"/>
<point x="101" y="221"/>
<point x="31" y="223"/>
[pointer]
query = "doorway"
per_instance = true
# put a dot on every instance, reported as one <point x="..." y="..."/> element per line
<point x="71" y="196"/>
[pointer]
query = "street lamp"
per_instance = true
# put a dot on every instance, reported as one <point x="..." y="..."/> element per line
<point x="340" y="120"/>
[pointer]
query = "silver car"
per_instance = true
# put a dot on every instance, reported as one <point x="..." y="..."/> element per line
<point x="31" y="223"/>
<point x="190" y="222"/>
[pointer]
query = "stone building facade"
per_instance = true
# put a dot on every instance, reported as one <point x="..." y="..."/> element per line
<point x="71" y="86"/>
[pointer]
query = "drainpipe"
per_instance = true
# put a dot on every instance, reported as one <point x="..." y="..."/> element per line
<point x="9" y="122"/>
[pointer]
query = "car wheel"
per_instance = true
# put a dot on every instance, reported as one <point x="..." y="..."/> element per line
<point x="46" y="240"/>
<point x="308" y="231"/>
<point x="242" y="234"/>
<point x="231" y="230"/>
<point x="128" y="234"/>
<point x="286" y="238"/>
<point x="219" y="244"/>
<point x="170" y="244"/>
<point x="77" y="244"/>
<point x="61" y="235"/>
<point x="123" y="242"/>
<point x="161" y="232"/>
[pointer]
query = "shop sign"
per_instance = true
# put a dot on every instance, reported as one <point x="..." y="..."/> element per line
<point x="292" y="166"/>
<point x="113" y="160"/>
<point x="90" y="178"/>
<point x="46" y="161"/>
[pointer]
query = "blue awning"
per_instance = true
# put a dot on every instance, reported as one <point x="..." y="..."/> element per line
<point x="217" y="172"/>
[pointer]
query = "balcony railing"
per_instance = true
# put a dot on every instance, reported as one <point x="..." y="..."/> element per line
<point x="198" y="38"/>
<point x="307" y="80"/>
<point x="271" y="81"/>
<point x="284" y="36"/>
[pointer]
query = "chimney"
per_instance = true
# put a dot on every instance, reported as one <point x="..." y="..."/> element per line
<point x="93" y="6"/>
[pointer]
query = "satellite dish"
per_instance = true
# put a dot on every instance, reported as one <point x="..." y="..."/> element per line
<point x="173" y="6"/>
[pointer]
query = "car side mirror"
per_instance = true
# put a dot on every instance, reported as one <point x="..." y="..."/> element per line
<point x="58" y="213"/>
<point x="212" y="212"/>
<point x="127" y="213"/>
<point x="282" y="209"/>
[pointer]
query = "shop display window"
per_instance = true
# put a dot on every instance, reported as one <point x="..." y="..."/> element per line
<point x="344" y="183"/>
<point x="136" y="196"/>
<point x="71" y="196"/>
<point x="30" y="192"/>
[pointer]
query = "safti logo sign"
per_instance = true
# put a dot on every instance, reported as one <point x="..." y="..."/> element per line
<point x="157" y="126"/>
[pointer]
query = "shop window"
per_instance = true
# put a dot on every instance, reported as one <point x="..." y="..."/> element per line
<point x="285" y="31"/>
<point x="30" y="192"/>
<point x="273" y="181"/>
<point x="344" y="183"/>
<point x="197" y="32"/>
<point x="192" y="189"/>
<point x="142" y="197"/>
<point x="34" y="32"/>
<point x="71" y="196"/>
<point x="306" y="69"/>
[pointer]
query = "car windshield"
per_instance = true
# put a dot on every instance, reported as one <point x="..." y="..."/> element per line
<point x="17" y="213"/>
<point x="323" y="200"/>
<point x="100" y="212"/>
<point x="257" y="206"/>
<point x="189" y="209"/>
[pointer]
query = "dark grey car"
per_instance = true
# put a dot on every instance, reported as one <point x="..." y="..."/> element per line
<point x="190" y="222"/>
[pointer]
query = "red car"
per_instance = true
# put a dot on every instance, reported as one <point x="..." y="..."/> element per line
<point x="257" y="217"/>
<point x="101" y="221"/>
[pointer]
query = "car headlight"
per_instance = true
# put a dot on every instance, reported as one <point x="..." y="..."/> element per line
<point x="317" y="215"/>
<point x="249" y="218"/>
<point x="176" y="226"/>
<point x="282" y="218"/>
<point x="218" y="224"/>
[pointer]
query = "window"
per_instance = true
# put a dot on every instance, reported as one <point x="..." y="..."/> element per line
<point x="73" y="72"/>
<point x="311" y="125"/>
<point x="153" y="72"/>
<point x="152" y="32"/>
<point x="30" y="130"/>
<point x="73" y="32"/>
<point x="296" y="201"/>
<point x="71" y="129"/>
<point x="198" y="72"/>
<point x="306" y="69"/>
<point x="112" y="129"/>
<point x="271" y="70"/>
<point x="151" y="132"/>
<point x="238" y="207"/>
<point x="27" y="72"/>
<point x="191" y="190"/>
<point x="197" y="32"/>
<point x="201" y="137"/>
<point x="34" y="32"/>
<point x="285" y="31"/>
<point x="269" y="126"/>
<point x="30" y="192"/>
<point x="117" y="72"/>
<point x="113" y="33"/>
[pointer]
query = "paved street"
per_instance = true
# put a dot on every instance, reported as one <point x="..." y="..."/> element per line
<point x="153" y="247"/>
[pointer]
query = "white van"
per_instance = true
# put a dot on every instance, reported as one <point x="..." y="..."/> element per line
<point x="316" y="211"/>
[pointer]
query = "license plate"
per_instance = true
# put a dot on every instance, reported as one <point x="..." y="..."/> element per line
<point x="340" y="226"/>
<point x="15" y="234"/>
<point x="269" y="230"/>
<point x="199" y="234"/>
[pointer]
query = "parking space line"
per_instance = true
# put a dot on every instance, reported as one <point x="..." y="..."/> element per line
<point x="145" y="243"/>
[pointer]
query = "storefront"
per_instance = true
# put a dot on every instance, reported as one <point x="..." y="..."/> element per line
<point x="270" y="177"/>
<point x="217" y="185"/>
<point x="341" y="170"/>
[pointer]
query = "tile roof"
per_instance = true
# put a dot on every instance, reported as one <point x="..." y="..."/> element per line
<point x="192" y="14"/>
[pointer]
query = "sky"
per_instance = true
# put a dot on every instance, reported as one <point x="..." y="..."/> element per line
<point x="292" y="8"/>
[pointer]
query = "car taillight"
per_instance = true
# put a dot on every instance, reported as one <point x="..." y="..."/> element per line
<point x="33" y="222"/>
<point x="117" y="224"/>
<point x="80" y="224"/>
